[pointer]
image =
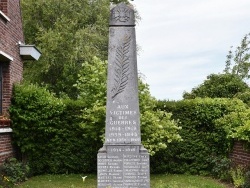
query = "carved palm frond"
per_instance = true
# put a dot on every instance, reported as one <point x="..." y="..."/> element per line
<point x="121" y="67"/>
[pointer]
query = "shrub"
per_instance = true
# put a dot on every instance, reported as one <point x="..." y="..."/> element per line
<point x="47" y="131"/>
<point x="236" y="125"/>
<point x="220" y="168"/>
<point x="237" y="175"/>
<point x="64" y="135"/>
<point x="202" y="139"/>
<point x="13" y="172"/>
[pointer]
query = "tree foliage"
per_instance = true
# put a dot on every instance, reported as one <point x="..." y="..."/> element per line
<point x="218" y="86"/>
<point x="91" y="84"/>
<point x="238" y="63"/>
<point x="236" y="125"/>
<point x="244" y="96"/>
<point x="68" y="33"/>
<point x="157" y="127"/>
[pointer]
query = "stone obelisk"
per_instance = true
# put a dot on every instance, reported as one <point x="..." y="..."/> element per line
<point x="122" y="161"/>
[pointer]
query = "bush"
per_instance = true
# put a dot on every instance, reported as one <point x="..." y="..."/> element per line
<point x="36" y="110"/>
<point x="236" y="125"/>
<point x="64" y="135"/>
<point x="202" y="139"/>
<point x="238" y="176"/>
<point x="221" y="168"/>
<point x="13" y="172"/>
<point x="48" y="133"/>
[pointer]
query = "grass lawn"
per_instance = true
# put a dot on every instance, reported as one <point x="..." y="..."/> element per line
<point x="157" y="181"/>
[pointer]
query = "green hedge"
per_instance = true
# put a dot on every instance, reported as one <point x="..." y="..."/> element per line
<point x="56" y="137"/>
<point x="64" y="135"/>
<point x="203" y="141"/>
<point x="48" y="133"/>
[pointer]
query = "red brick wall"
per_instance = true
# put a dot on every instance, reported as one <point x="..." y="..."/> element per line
<point x="10" y="34"/>
<point x="239" y="155"/>
<point x="6" y="86"/>
<point x="6" y="149"/>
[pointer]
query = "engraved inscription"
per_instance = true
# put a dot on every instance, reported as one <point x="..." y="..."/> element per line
<point x="123" y="125"/>
<point x="121" y="67"/>
<point x="123" y="167"/>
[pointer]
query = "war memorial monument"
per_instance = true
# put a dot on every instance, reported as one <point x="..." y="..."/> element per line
<point x="122" y="162"/>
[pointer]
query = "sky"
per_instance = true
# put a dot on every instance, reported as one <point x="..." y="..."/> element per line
<point x="183" y="41"/>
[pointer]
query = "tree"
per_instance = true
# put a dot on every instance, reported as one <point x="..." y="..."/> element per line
<point x="218" y="86"/>
<point x="158" y="130"/>
<point x="68" y="33"/>
<point x="238" y="63"/>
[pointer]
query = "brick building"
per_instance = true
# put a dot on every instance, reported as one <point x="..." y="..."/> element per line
<point x="12" y="53"/>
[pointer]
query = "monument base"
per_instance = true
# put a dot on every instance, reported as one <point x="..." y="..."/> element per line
<point x="123" y="166"/>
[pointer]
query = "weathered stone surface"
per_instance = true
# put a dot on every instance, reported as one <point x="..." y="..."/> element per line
<point x="122" y="162"/>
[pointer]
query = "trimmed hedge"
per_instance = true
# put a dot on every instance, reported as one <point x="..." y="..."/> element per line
<point x="53" y="134"/>
<point x="48" y="133"/>
<point x="64" y="135"/>
<point x="203" y="141"/>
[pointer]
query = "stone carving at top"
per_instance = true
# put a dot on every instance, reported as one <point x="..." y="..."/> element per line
<point x="122" y="15"/>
